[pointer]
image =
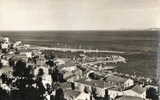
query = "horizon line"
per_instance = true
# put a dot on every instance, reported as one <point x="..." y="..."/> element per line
<point x="149" y="29"/>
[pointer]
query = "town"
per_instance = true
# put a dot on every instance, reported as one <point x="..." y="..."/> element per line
<point x="30" y="72"/>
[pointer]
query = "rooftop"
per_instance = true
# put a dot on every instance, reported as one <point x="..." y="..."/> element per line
<point x="129" y="98"/>
<point x="65" y="85"/>
<point x="71" y="93"/>
<point x="96" y="83"/>
<point x="19" y="57"/>
<point x="115" y="79"/>
<point x="138" y="89"/>
<point x="25" y="50"/>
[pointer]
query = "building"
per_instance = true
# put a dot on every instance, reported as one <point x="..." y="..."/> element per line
<point x="6" y="39"/>
<point x="114" y="92"/>
<point x="19" y="57"/>
<point x="71" y="94"/>
<point x="83" y="96"/>
<point x="26" y="52"/>
<point x="121" y="82"/>
<point x="4" y="45"/>
<point x="116" y="59"/>
<point x="136" y="91"/>
<point x="59" y="62"/>
<point x="129" y="98"/>
<point x="4" y="62"/>
<point x="98" y="86"/>
<point x="71" y="73"/>
<point x="75" y="95"/>
<point x="17" y="43"/>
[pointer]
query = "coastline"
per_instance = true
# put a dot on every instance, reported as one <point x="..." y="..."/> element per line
<point x="75" y="50"/>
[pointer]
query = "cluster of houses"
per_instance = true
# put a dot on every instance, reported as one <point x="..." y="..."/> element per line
<point x="113" y="88"/>
<point x="75" y="84"/>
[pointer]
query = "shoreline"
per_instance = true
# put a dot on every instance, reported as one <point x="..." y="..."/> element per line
<point x="75" y="50"/>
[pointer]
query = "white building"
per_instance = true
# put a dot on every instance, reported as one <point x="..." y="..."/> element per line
<point x="83" y="96"/>
<point x="27" y="53"/>
<point x="5" y="45"/>
<point x="59" y="62"/>
<point x="116" y="59"/>
<point x="76" y="95"/>
<point x="17" y="43"/>
<point x="4" y="62"/>
<point x="6" y="39"/>
<point x="121" y="82"/>
<point x="113" y="93"/>
<point x="100" y="86"/>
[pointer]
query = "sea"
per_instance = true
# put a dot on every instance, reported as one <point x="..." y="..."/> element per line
<point x="140" y="46"/>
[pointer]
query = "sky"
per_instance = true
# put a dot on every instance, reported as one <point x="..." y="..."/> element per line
<point x="79" y="14"/>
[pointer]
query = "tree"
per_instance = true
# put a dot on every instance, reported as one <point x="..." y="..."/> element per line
<point x="55" y="74"/>
<point x="86" y="90"/>
<point x="40" y="72"/>
<point x="29" y="72"/>
<point x="59" y="94"/>
<point x="40" y="89"/>
<point x="152" y="93"/>
<point x="50" y="63"/>
<point x="11" y="62"/>
<point x="4" y="78"/>
<point x="1" y="65"/>
<point x="19" y="69"/>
